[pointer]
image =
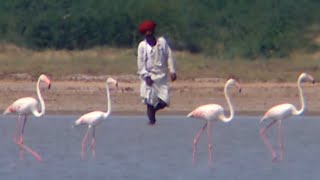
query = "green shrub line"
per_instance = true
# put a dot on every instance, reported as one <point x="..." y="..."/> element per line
<point x="223" y="29"/>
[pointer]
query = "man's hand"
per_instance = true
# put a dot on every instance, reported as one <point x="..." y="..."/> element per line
<point x="173" y="76"/>
<point x="149" y="81"/>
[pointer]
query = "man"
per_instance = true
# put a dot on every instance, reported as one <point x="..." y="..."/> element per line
<point x="155" y="65"/>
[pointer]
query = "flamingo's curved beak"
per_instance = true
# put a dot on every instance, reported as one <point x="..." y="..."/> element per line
<point x="49" y="86"/>
<point x="240" y="89"/>
<point x="314" y="81"/>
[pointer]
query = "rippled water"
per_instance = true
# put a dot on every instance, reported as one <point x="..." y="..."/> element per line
<point x="127" y="148"/>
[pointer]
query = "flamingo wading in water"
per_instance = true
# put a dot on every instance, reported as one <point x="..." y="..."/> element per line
<point x="280" y="112"/>
<point x="210" y="113"/>
<point x="24" y="107"/>
<point x="92" y="119"/>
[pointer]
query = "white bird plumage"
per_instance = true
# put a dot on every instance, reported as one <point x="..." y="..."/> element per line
<point x="92" y="119"/>
<point x="27" y="106"/>
<point x="213" y="112"/>
<point x="281" y="112"/>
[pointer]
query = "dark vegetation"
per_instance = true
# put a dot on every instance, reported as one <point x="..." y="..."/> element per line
<point x="221" y="28"/>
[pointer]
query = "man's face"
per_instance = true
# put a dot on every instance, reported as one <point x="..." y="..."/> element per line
<point x="149" y="33"/>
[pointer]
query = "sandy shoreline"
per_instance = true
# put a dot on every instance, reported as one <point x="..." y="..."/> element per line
<point x="75" y="97"/>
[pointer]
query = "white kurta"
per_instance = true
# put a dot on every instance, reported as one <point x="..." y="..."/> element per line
<point x="156" y="62"/>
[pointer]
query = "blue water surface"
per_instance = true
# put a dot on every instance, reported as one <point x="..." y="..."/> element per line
<point x="127" y="148"/>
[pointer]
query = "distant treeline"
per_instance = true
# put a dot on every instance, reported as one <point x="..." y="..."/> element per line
<point x="221" y="28"/>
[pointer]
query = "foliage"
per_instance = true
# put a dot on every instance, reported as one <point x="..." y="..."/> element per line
<point x="225" y="29"/>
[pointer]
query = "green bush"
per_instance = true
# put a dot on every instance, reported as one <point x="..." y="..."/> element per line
<point x="226" y="29"/>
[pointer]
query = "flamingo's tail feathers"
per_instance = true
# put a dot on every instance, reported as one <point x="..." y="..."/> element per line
<point x="190" y="115"/>
<point x="74" y="124"/>
<point x="196" y="114"/>
<point x="8" y="111"/>
<point x="77" y="122"/>
<point x="263" y="118"/>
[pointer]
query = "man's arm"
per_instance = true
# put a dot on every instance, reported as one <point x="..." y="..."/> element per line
<point x="142" y="71"/>
<point x="171" y="65"/>
<point x="141" y="61"/>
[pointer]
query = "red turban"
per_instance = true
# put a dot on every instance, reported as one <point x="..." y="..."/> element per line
<point x="147" y="26"/>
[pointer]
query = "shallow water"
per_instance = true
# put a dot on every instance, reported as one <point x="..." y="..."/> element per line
<point x="127" y="148"/>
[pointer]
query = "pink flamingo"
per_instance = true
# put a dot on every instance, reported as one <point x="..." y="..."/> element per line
<point x="92" y="119"/>
<point x="24" y="107"/>
<point x="210" y="113"/>
<point x="280" y="112"/>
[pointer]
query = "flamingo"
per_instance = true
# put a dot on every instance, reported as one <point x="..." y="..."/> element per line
<point x="283" y="111"/>
<point x="24" y="107"/>
<point x="210" y="113"/>
<point x="92" y="119"/>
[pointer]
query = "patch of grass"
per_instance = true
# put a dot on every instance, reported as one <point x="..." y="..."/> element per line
<point x="280" y="70"/>
<point x="101" y="61"/>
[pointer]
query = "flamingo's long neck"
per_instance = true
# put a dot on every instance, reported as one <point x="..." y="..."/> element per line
<point x="303" y="103"/>
<point x="43" y="108"/>
<point x="108" y="102"/>
<point x="224" y="118"/>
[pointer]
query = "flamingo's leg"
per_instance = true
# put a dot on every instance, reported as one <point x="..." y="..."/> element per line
<point x="195" y="141"/>
<point x="84" y="140"/>
<point x="22" y="130"/>
<point x="266" y="141"/>
<point x="210" y="147"/>
<point x="280" y="139"/>
<point x="20" y="141"/>
<point x="17" y="130"/>
<point x="24" y="147"/>
<point x="32" y="152"/>
<point x="17" y="134"/>
<point x="93" y="143"/>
